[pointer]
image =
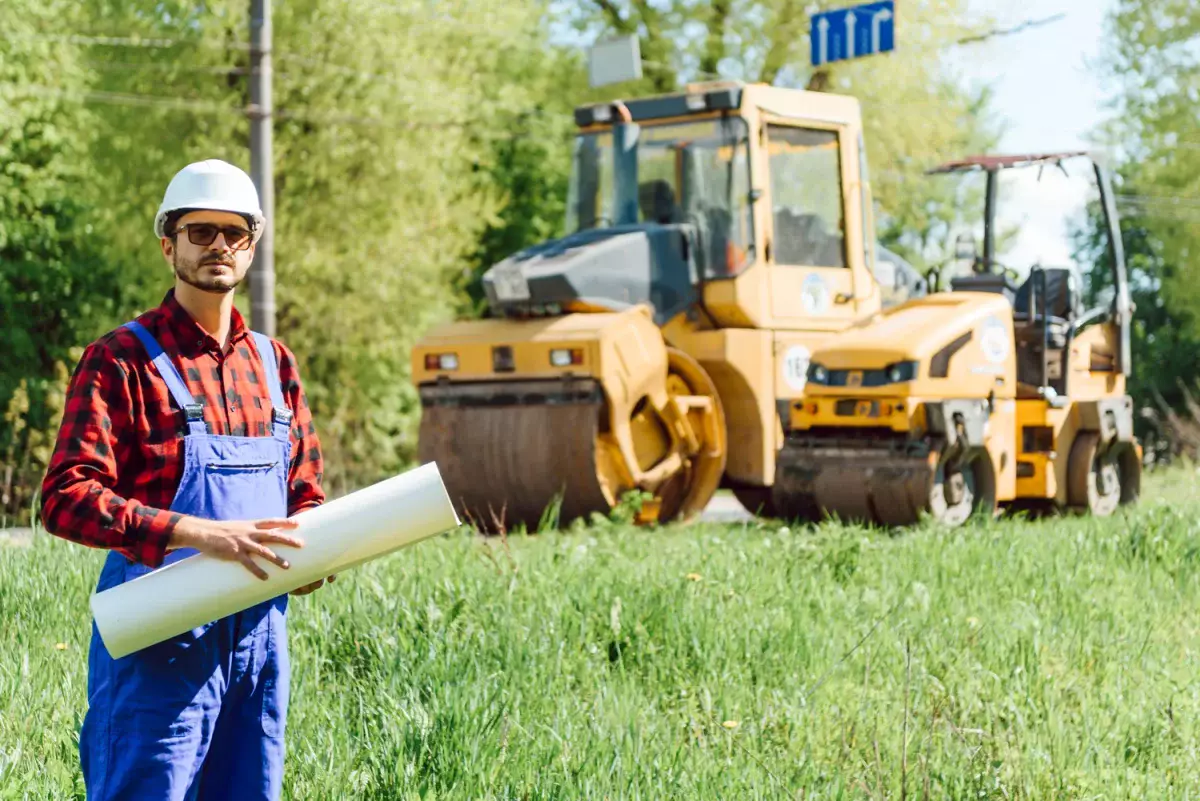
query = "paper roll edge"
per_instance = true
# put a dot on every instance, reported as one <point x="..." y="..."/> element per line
<point x="100" y="618"/>
<point x="445" y="493"/>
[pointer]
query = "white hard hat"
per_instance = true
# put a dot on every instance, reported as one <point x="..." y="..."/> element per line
<point x="212" y="185"/>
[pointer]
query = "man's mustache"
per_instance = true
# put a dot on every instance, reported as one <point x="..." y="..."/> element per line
<point x="228" y="262"/>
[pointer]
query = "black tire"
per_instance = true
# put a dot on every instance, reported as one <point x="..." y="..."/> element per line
<point x="756" y="500"/>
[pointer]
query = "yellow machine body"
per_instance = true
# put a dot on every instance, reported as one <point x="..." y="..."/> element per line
<point x="964" y="401"/>
<point x="578" y="399"/>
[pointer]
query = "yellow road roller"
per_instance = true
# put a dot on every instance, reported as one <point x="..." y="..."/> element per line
<point x="714" y="237"/>
<point x="1007" y="390"/>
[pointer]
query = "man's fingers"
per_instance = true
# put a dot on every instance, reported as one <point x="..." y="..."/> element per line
<point x="252" y="567"/>
<point x="276" y="522"/>
<point x="279" y="537"/>
<point x="269" y="555"/>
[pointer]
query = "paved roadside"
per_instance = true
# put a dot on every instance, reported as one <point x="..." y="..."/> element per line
<point x="724" y="508"/>
<point x="19" y="537"/>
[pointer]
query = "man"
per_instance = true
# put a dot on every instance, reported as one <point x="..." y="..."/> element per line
<point x="186" y="433"/>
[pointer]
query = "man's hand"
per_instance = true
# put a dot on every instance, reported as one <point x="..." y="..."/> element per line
<point x="237" y="540"/>
<point x="316" y="585"/>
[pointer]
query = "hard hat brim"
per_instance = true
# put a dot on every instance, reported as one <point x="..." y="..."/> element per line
<point x="256" y="227"/>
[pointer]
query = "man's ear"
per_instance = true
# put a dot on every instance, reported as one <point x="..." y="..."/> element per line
<point x="168" y="249"/>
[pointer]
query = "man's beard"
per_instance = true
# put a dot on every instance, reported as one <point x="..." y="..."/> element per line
<point x="190" y="273"/>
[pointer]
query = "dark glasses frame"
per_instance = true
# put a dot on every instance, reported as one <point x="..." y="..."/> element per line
<point x="204" y="234"/>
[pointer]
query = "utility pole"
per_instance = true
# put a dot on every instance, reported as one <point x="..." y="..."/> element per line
<point x="262" y="170"/>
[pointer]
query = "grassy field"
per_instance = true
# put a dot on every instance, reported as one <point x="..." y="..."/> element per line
<point x="1039" y="660"/>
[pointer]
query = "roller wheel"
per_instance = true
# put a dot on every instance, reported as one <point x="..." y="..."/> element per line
<point x="956" y="495"/>
<point x="1100" y="482"/>
<point x="756" y="500"/>
<point x="687" y="493"/>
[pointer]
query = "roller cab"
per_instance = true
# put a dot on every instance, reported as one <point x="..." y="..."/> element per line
<point x="1005" y="390"/>
<point x="714" y="237"/>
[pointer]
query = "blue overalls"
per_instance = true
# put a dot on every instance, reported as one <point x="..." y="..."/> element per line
<point x="199" y="716"/>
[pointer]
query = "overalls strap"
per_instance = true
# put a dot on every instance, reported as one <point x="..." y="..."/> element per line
<point x="166" y="369"/>
<point x="281" y="414"/>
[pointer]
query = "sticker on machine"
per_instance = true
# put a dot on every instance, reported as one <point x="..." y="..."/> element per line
<point x="795" y="367"/>
<point x="814" y="294"/>
<point x="993" y="340"/>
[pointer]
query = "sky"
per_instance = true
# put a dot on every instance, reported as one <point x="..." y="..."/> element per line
<point x="1044" y="86"/>
<point x="1050" y="97"/>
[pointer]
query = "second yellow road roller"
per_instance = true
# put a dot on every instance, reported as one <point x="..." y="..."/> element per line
<point x="1008" y="390"/>
<point x="715" y="236"/>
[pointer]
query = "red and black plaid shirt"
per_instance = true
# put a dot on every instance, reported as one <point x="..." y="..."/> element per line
<point x="118" y="460"/>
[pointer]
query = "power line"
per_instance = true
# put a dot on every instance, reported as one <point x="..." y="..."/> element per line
<point x="133" y="41"/>
<point x="209" y="107"/>
<point x="131" y="66"/>
<point x="130" y="41"/>
<point x="1029" y="23"/>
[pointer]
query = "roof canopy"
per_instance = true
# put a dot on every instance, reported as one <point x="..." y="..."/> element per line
<point x="1005" y="162"/>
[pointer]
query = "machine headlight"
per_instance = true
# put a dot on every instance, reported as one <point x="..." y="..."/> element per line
<point x="441" y="361"/>
<point x="563" y="357"/>
<point x="817" y="374"/>
<point x="901" y="371"/>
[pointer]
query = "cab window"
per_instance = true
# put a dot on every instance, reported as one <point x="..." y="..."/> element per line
<point x="806" y="192"/>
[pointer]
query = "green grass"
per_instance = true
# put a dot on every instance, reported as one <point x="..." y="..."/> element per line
<point x="1038" y="660"/>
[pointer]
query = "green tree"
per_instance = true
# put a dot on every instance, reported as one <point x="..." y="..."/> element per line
<point x="55" y="289"/>
<point x="1150" y="61"/>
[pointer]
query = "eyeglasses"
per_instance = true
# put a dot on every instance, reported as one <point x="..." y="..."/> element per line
<point x="206" y="233"/>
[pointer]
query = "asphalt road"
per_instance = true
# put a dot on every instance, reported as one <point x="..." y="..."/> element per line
<point x="724" y="508"/>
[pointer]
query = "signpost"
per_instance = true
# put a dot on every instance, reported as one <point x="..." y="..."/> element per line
<point x="848" y="33"/>
<point x="614" y="61"/>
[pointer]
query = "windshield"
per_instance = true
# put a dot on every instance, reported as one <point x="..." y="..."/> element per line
<point x="1041" y="211"/>
<point x="694" y="172"/>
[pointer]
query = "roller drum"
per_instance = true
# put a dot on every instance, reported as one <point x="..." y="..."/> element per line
<point x="503" y="465"/>
<point x="856" y="485"/>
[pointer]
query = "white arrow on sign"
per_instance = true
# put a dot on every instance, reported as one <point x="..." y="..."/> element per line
<point x="881" y="16"/>
<point x="850" y="20"/>
<point x="823" y="50"/>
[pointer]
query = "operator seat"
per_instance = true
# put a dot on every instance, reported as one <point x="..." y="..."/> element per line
<point x="984" y="282"/>
<point x="802" y="239"/>
<point x="1048" y="319"/>
<point x="656" y="199"/>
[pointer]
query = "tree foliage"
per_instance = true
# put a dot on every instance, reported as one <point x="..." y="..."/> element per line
<point x="56" y="290"/>
<point x="1152" y="62"/>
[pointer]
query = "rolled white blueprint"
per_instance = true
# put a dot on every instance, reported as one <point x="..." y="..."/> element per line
<point x="338" y="535"/>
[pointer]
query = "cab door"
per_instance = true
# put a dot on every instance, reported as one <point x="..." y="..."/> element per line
<point x="812" y="249"/>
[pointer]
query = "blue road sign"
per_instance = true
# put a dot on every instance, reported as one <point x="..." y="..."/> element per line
<point x="848" y="33"/>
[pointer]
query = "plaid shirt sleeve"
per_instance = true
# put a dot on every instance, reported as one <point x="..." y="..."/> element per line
<point x="78" y="498"/>
<point x="307" y="466"/>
